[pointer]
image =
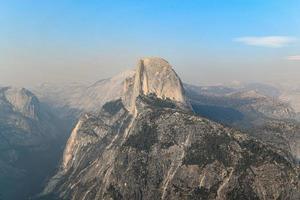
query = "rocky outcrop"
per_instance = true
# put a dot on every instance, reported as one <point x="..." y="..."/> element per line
<point x="151" y="75"/>
<point x="22" y="100"/>
<point x="168" y="153"/>
<point x="146" y="145"/>
<point x="30" y="143"/>
<point x="264" y="117"/>
<point x="156" y="76"/>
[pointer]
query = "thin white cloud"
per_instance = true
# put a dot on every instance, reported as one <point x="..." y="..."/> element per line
<point x="293" y="58"/>
<point x="267" y="41"/>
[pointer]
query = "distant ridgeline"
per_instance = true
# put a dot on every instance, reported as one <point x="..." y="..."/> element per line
<point x="151" y="143"/>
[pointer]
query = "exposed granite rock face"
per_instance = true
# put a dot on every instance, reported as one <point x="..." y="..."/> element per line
<point x="168" y="153"/>
<point x="156" y="76"/>
<point x="151" y="75"/>
<point x="150" y="145"/>
<point x="21" y="100"/>
<point x="21" y="110"/>
<point x="30" y="143"/>
<point x="281" y="133"/>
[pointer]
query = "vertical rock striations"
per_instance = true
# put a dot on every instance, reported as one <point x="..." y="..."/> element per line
<point x="147" y="145"/>
<point x="156" y="76"/>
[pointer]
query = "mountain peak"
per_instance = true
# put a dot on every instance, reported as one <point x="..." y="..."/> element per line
<point x="22" y="100"/>
<point x="156" y="76"/>
<point x="155" y="62"/>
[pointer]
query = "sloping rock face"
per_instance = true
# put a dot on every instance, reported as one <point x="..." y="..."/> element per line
<point x="151" y="75"/>
<point x="156" y="76"/>
<point x="267" y="106"/>
<point x="250" y="102"/>
<point x="69" y="101"/>
<point x="21" y="110"/>
<point x="266" y="118"/>
<point x="21" y="100"/>
<point x="147" y="146"/>
<point x="167" y="153"/>
<point x="30" y="143"/>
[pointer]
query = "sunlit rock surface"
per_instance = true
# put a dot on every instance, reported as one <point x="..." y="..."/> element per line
<point x="161" y="150"/>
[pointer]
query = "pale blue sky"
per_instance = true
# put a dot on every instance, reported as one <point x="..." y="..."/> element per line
<point x="206" y="41"/>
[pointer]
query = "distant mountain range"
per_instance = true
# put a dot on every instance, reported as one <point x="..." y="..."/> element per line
<point x="31" y="138"/>
<point x="148" y="143"/>
<point x="245" y="106"/>
<point x="260" y="115"/>
<point x="144" y="134"/>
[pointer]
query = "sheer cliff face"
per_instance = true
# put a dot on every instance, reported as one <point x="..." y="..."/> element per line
<point x="146" y="146"/>
<point x="22" y="100"/>
<point x="167" y="153"/>
<point x="156" y="76"/>
<point x="151" y="75"/>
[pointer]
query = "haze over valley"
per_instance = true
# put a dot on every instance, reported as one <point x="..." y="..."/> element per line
<point x="115" y="100"/>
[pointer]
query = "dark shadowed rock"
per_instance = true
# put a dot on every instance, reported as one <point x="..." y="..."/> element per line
<point x="156" y="148"/>
<point x="31" y="140"/>
<point x="168" y="153"/>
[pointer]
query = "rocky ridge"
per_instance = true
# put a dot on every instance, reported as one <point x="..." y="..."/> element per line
<point x="30" y="139"/>
<point x="253" y="111"/>
<point x="146" y="145"/>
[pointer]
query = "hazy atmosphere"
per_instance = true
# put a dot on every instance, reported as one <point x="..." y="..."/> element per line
<point x="207" y="42"/>
<point x="149" y="100"/>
